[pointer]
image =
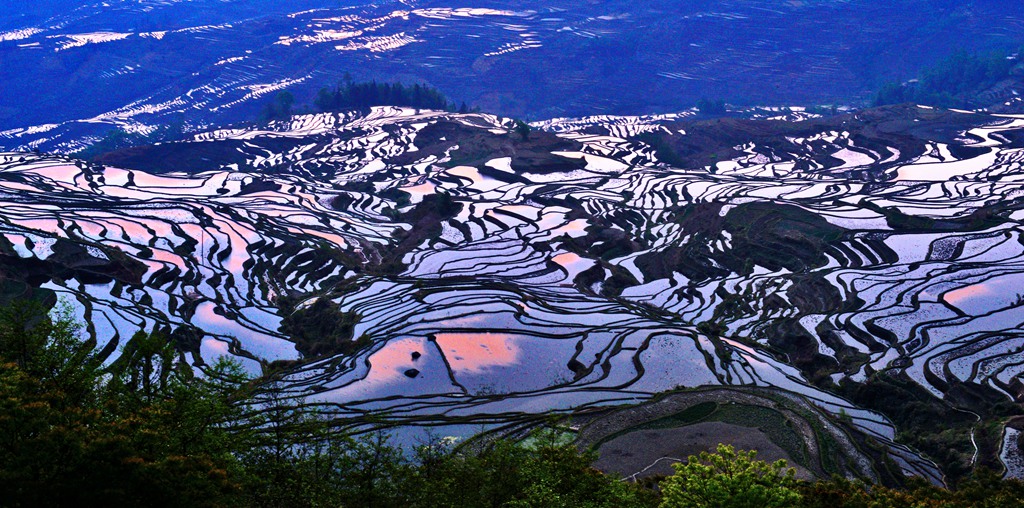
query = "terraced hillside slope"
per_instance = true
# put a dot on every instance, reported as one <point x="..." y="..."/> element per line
<point x="144" y="64"/>
<point x="857" y="275"/>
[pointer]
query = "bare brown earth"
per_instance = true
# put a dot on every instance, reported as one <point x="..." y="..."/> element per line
<point x="651" y="452"/>
<point x="600" y="430"/>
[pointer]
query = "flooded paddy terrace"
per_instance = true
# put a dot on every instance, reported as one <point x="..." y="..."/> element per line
<point x="560" y="273"/>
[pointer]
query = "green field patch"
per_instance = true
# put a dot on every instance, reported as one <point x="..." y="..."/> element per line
<point x="548" y="437"/>
<point x="773" y="423"/>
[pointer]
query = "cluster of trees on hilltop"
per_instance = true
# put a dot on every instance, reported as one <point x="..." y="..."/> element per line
<point x="349" y="95"/>
<point x="952" y="82"/>
<point x="711" y="107"/>
<point x="352" y="95"/>
<point x="278" y="109"/>
<point x="144" y="431"/>
<point x="361" y="95"/>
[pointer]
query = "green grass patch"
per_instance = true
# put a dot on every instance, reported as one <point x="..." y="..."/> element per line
<point x="548" y="437"/>
<point x="771" y="422"/>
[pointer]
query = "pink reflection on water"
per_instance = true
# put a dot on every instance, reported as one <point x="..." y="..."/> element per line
<point x="18" y="186"/>
<point x="474" y="353"/>
<point x="391" y="361"/>
<point x="136" y="231"/>
<point x="48" y="225"/>
<point x="567" y="259"/>
<point x="575" y="226"/>
<point x="330" y="237"/>
<point x="959" y="295"/>
<point x="1001" y="292"/>
<point x="169" y="258"/>
<point x="64" y="174"/>
<point x="215" y="347"/>
<point x="573" y="264"/>
<point x="419" y="191"/>
<point x="115" y="176"/>
<point x="90" y="229"/>
<point x="239" y="254"/>
<point x="162" y="229"/>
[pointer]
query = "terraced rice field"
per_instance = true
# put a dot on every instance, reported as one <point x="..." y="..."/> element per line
<point x="489" y="280"/>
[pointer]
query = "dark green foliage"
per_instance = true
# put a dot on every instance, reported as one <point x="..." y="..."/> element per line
<point x="145" y="366"/>
<point x="74" y="435"/>
<point x="711" y="107"/>
<point x="320" y="328"/>
<point x="983" y="490"/>
<point x="351" y="95"/>
<point x="295" y="462"/>
<point x="780" y="236"/>
<point x="522" y="129"/>
<point x="951" y="82"/>
<point x="506" y="474"/>
<point x="662" y="149"/>
<point x="735" y="479"/>
<point x="937" y="429"/>
<point x="47" y="349"/>
<point x="144" y="431"/>
<point x="730" y="478"/>
<point x="933" y="425"/>
<point x="118" y="139"/>
<point x="280" y="108"/>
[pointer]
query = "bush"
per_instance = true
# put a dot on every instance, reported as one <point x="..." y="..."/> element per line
<point x="730" y="479"/>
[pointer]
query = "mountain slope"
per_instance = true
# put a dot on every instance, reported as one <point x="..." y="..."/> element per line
<point x="438" y="268"/>
<point x="207" y="62"/>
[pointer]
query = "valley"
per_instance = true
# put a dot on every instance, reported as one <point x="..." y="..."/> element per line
<point x="429" y="270"/>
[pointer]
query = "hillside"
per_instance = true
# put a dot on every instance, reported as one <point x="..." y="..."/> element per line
<point x="202" y="63"/>
<point x="424" y="268"/>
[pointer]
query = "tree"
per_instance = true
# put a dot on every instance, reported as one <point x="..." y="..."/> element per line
<point x="285" y="100"/>
<point x="143" y="370"/>
<point x="711" y="107"/>
<point x="280" y="108"/>
<point x="48" y="347"/>
<point x="504" y="473"/>
<point x="522" y="128"/>
<point x="73" y="435"/>
<point x="352" y="95"/>
<point x="730" y="479"/>
<point x="952" y="82"/>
